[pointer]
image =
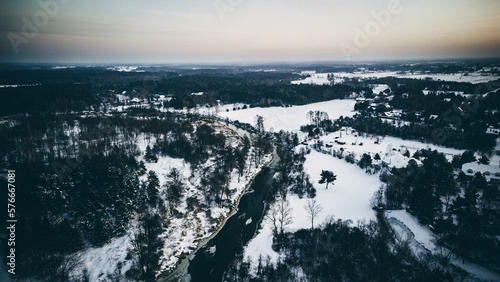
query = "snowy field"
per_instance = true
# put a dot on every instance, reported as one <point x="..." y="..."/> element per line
<point x="317" y="79"/>
<point x="390" y="149"/>
<point x="348" y="199"/>
<point x="377" y="88"/>
<point x="314" y="78"/>
<point x="321" y="78"/>
<point x="291" y="118"/>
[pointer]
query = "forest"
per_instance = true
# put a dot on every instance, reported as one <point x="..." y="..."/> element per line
<point x="80" y="184"/>
<point x="82" y="172"/>
<point x="461" y="209"/>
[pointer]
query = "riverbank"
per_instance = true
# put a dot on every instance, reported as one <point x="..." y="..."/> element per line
<point x="180" y="273"/>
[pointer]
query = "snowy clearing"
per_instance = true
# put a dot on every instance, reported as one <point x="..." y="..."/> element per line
<point x="456" y="77"/>
<point x="390" y="149"/>
<point x="348" y="199"/>
<point x="322" y="78"/>
<point x="291" y="118"/>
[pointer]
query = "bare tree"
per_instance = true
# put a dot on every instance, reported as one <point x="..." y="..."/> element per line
<point x="280" y="216"/>
<point x="285" y="215"/>
<point x="310" y="117"/>
<point x="146" y="248"/>
<point x="314" y="209"/>
<point x="378" y="199"/>
<point x="272" y="217"/>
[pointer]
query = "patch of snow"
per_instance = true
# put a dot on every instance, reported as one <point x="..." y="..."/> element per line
<point x="403" y="222"/>
<point x="456" y="77"/>
<point x="390" y="149"/>
<point x="314" y="78"/>
<point x="261" y="245"/>
<point x="291" y="118"/>
<point x="103" y="261"/>
<point x="125" y="69"/>
<point x="377" y="88"/>
<point x="63" y="67"/>
<point x="348" y="199"/>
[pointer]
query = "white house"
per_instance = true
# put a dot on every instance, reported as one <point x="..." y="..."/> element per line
<point x="491" y="173"/>
<point x="493" y="131"/>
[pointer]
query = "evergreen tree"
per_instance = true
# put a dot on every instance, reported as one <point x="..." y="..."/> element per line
<point x="366" y="161"/>
<point x="259" y="123"/>
<point x="467" y="157"/>
<point x="484" y="160"/>
<point x="175" y="189"/>
<point x="467" y="215"/>
<point x="150" y="155"/>
<point x="327" y="177"/>
<point x="152" y="188"/>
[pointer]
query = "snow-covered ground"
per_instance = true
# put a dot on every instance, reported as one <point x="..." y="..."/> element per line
<point x="321" y="78"/>
<point x="420" y="236"/>
<point x="456" y="77"/>
<point x="314" y="78"/>
<point x="390" y="149"/>
<point x="291" y="118"/>
<point x="182" y="235"/>
<point x="17" y="85"/>
<point x="377" y="88"/>
<point x="125" y="69"/>
<point x="348" y="199"/>
<point x="101" y="262"/>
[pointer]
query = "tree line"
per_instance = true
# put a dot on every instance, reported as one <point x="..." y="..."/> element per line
<point x="462" y="210"/>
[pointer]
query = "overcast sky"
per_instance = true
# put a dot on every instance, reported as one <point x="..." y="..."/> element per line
<point x="206" y="31"/>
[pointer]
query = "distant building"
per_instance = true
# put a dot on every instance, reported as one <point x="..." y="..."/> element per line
<point x="491" y="173"/>
<point x="441" y="92"/>
<point x="493" y="131"/>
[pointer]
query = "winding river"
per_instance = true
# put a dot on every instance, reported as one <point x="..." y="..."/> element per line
<point x="212" y="258"/>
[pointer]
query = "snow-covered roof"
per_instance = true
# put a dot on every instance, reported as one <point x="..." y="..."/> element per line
<point x="492" y="130"/>
<point x="490" y="172"/>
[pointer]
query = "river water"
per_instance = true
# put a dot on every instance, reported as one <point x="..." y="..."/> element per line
<point x="237" y="231"/>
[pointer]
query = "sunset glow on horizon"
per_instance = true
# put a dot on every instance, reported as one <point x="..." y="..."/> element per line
<point x="244" y="31"/>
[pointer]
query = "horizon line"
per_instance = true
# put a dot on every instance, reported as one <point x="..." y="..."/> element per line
<point x="254" y="63"/>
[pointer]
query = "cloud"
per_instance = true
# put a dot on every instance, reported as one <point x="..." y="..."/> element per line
<point x="155" y="12"/>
